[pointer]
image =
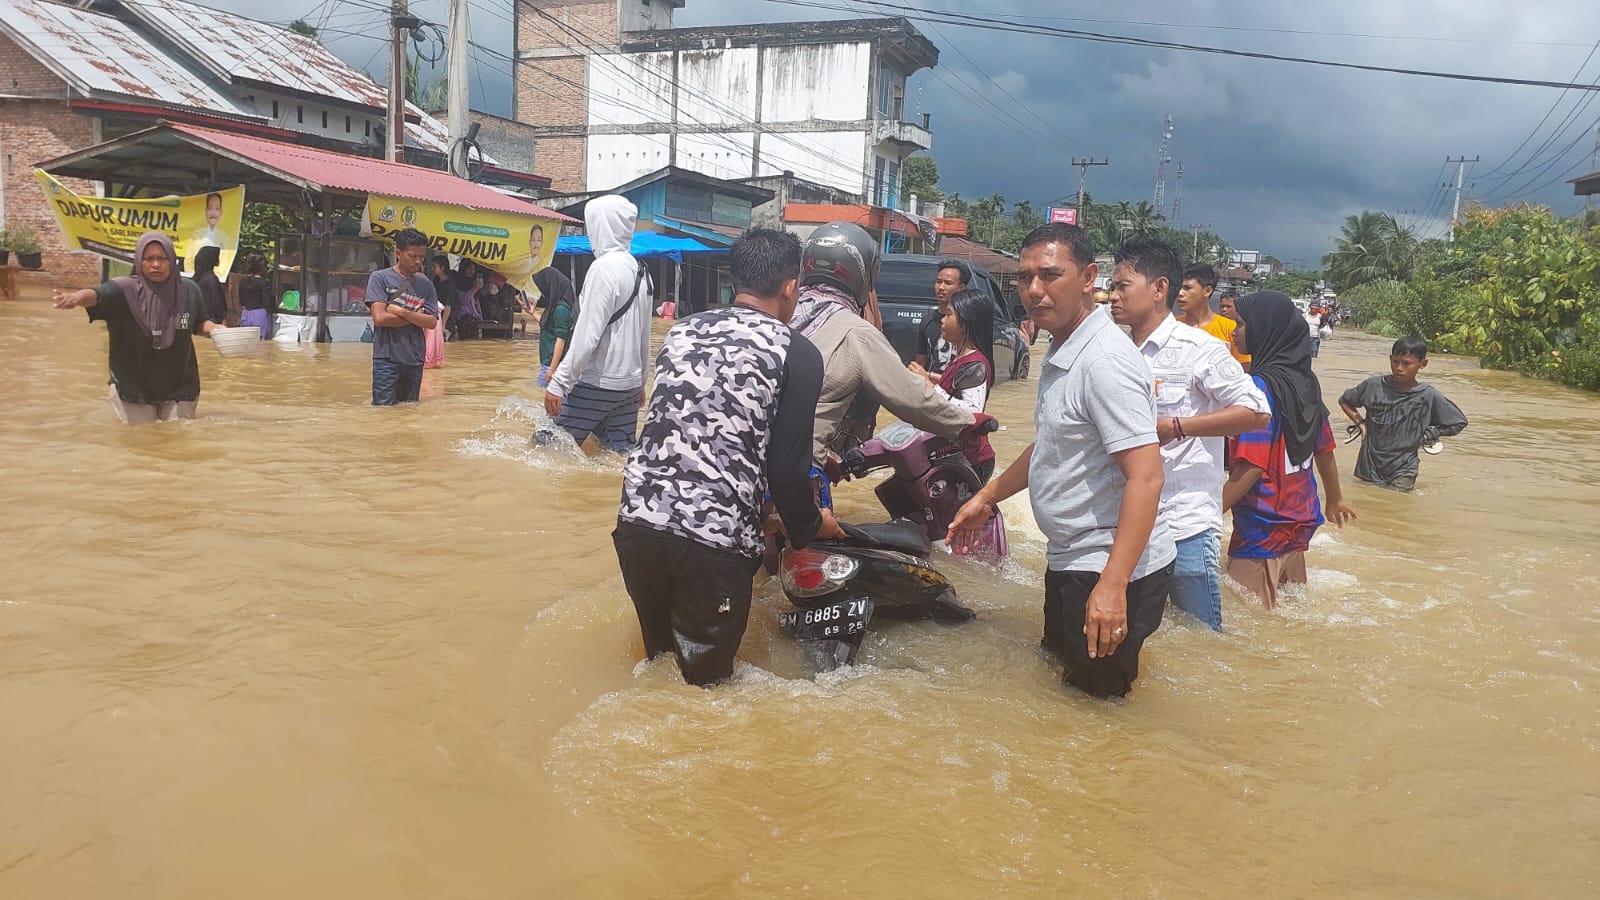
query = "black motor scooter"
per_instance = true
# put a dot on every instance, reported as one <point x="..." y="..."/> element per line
<point x="882" y="571"/>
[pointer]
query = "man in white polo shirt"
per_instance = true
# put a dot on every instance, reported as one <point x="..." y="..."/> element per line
<point x="1202" y="396"/>
<point x="1093" y="474"/>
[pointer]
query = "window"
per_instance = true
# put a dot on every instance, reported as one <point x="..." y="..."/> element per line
<point x="324" y="118"/>
<point x="893" y="193"/>
<point x="877" y="181"/>
<point x="346" y="124"/>
<point x="300" y="114"/>
<point x="274" y="109"/>
<point x="369" y="127"/>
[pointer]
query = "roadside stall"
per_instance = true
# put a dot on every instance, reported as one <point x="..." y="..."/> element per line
<point x="321" y="275"/>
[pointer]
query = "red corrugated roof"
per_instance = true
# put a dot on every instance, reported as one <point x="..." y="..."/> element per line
<point x="360" y="174"/>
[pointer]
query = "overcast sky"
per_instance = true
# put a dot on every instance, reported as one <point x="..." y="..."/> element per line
<point x="1274" y="154"/>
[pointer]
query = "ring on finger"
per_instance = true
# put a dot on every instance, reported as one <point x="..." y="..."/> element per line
<point x="1116" y="632"/>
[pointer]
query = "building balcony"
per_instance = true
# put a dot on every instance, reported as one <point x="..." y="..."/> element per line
<point x="907" y="137"/>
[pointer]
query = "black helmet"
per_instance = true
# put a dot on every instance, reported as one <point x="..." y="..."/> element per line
<point x="843" y="255"/>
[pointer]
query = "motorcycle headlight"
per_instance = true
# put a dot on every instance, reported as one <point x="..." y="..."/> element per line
<point x="813" y="573"/>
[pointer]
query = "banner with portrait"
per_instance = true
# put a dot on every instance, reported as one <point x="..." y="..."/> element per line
<point x="512" y="245"/>
<point x="111" y="227"/>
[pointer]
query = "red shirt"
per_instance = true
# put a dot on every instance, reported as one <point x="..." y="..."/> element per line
<point x="1281" y="511"/>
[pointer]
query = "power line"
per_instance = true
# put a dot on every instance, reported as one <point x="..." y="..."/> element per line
<point x="1548" y="113"/>
<point x="993" y="24"/>
<point x="1295" y="31"/>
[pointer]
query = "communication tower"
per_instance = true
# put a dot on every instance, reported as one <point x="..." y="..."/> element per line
<point x="1163" y="156"/>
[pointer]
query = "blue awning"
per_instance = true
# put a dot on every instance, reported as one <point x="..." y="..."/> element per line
<point x="645" y="245"/>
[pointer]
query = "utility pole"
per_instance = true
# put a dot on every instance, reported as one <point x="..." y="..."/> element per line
<point x="1197" y="228"/>
<point x="1594" y="166"/>
<point x="1455" y="211"/>
<point x="1083" y="176"/>
<point x="400" y="25"/>
<point x="456" y="85"/>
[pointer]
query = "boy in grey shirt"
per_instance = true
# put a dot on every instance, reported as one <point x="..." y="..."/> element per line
<point x="1094" y="474"/>
<point x="404" y="307"/>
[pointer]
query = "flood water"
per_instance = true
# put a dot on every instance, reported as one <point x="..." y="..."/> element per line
<point x="304" y="647"/>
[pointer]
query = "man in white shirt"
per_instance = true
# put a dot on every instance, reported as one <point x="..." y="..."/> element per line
<point x="1202" y="396"/>
<point x="599" y="386"/>
<point x="1313" y="317"/>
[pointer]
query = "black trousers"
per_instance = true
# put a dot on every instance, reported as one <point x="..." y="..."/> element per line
<point x="691" y="599"/>
<point x="1066" y="596"/>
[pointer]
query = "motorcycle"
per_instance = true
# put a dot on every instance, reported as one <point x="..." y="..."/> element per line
<point x="883" y="571"/>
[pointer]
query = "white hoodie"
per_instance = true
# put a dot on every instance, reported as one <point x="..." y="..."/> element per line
<point x="602" y="355"/>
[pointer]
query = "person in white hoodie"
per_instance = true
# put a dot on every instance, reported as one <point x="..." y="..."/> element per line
<point x="598" y="387"/>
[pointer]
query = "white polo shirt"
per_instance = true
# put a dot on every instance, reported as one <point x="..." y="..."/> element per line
<point x="1195" y="374"/>
<point x="1094" y="401"/>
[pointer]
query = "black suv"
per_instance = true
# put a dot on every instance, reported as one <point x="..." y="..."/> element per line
<point x="905" y="294"/>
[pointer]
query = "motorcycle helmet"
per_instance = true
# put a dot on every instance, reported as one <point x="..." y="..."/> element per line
<point x="843" y="255"/>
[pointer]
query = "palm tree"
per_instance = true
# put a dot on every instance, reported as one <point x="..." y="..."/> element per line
<point x="989" y="210"/>
<point x="1372" y="246"/>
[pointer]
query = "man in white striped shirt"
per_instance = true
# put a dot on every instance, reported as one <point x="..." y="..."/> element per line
<point x="1202" y="396"/>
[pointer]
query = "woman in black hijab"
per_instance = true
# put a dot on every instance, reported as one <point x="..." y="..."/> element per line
<point x="558" y="305"/>
<point x="1271" y="489"/>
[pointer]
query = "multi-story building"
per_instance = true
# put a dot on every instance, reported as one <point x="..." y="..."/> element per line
<point x="615" y="92"/>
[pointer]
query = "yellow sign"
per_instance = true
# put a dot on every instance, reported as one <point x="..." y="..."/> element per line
<point x="511" y="245"/>
<point x="111" y="227"/>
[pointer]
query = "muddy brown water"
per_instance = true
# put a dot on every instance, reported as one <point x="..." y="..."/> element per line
<point x="301" y="646"/>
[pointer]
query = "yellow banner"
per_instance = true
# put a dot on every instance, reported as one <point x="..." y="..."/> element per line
<point x="512" y="245"/>
<point x="111" y="227"/>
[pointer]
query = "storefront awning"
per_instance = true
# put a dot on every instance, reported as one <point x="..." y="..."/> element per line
<point x="645" y="245"/>
<point x="185" y="158"/>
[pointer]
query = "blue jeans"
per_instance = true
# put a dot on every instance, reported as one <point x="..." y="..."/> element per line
<point x="1197" y="582"/>
<point x="393" y="383"/>
<point x="1316" y="345"/>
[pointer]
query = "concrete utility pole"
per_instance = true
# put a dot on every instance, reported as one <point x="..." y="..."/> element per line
<point x="456" y="84"/>
<point x="1455" y="211"/>
<point x="1594" y="166"/>
<point x="1083" y="176"/>
<point x="400" y="25"/>
<point x="1197" y="229"/>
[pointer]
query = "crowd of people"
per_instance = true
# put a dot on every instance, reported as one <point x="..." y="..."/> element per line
<point x="1149" y="426"/>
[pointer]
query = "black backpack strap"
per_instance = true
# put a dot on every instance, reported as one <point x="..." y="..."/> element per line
<point x="623" y="309"/>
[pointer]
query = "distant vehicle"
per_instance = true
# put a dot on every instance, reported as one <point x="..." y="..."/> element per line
<point x="905" y="294"/>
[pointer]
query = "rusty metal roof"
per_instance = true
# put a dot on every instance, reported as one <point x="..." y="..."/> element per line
<point x="237" y="49"/>
<point x="234" y="48"/>
<point x="99" y="55"/>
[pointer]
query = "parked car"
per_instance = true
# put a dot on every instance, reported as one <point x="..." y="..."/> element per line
<point x="905" y="294"/>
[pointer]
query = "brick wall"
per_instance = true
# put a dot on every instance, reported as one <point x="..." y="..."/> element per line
<point x="552" y="91"/>
<point x="32" y="131"/>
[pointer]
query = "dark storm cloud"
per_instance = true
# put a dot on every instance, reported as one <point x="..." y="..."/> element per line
<point x="1274" y="154"/>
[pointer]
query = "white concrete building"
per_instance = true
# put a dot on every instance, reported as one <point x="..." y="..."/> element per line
<point x="823" y="100"/>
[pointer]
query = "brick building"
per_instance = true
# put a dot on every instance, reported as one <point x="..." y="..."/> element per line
<point x="71" y="78"/>
<point x="614" y="91"/>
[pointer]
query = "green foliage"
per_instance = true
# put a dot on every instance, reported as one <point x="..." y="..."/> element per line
<point x="1372" y="246"/>
<point x="920" y="176"/>
<point x="1293" y="284"/>
<point x="301" y="26"/>
<point x="5" y="239"/>
<point x="261" y="226"/>
<point x="1538" y="289"/>
<point x="24" y="240"/>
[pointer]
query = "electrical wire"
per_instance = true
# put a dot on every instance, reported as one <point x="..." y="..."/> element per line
<point x="1548" y="113"/>
<point x="992" y="24"/>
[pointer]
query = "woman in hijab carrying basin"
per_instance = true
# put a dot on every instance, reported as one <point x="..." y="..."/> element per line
<point x="151" y="317"/>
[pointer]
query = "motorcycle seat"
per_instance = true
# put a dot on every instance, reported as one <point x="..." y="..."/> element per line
<point x="899" y="535"/>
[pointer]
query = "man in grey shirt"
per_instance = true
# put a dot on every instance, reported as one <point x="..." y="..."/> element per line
<point x="404" y="307"/>
<point x="1094" y="474"/>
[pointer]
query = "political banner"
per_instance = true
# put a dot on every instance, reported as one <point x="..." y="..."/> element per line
<point x="110" y="226"/>
<point x="511" y="245"/>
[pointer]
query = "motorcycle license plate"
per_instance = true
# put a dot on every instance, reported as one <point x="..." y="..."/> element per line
<point x="835" y="621"/>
